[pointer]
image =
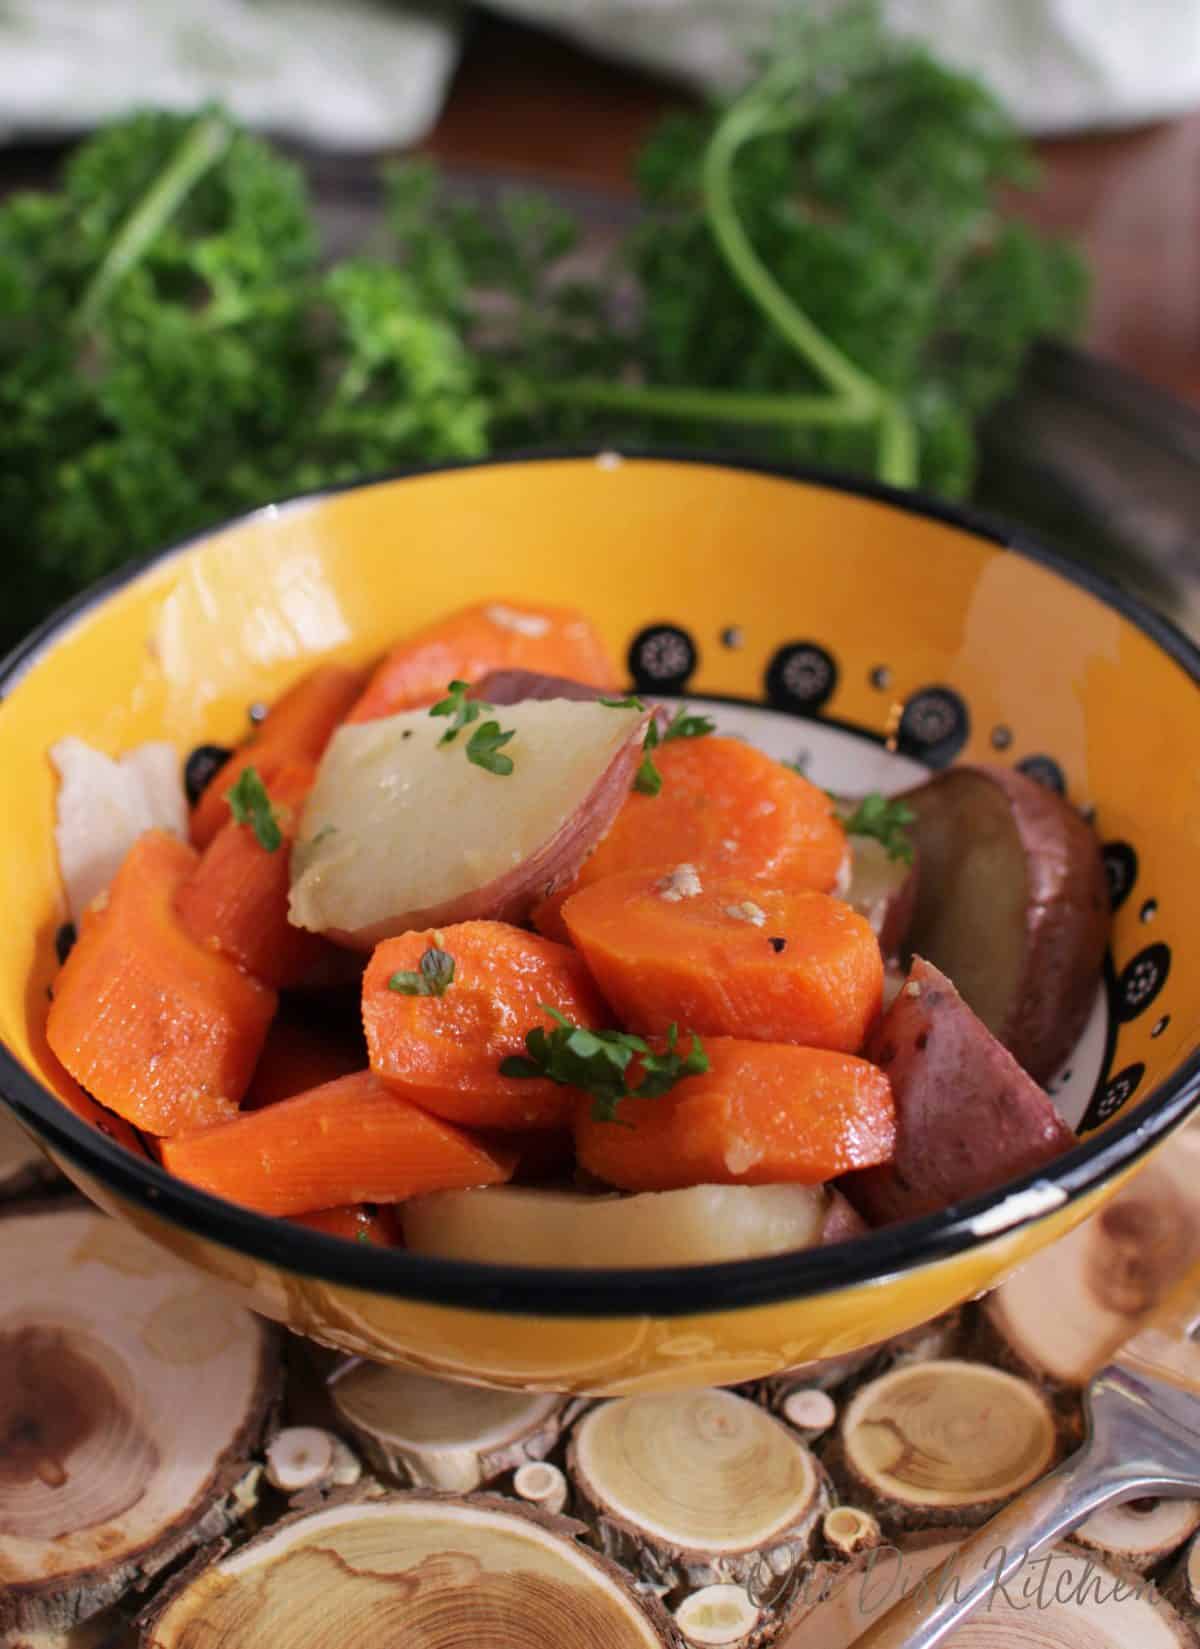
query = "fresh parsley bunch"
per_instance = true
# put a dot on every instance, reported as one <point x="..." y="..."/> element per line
<point x="823" y="272"/>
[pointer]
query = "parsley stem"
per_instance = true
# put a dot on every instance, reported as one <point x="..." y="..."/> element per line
<point x="898" y="442"/>
<point x="721" y="406"/>
<point x="202" y="146"/>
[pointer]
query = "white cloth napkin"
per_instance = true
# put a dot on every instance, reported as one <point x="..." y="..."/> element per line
<point x="364" y="74"/>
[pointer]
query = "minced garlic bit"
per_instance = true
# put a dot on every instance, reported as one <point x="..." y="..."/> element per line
<point x="748" y="911"/>
<point x="912" y="988"/>
<point x="682" y="883"/>
<point x="525" y="624"/>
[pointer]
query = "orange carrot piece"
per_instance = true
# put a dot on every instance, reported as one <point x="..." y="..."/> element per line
<point x="160" y="1029"/>
<point x="444" y="1052"/>
<point x="296" y="728"/>
<point x="358" y="1222"/>
<point x="491" y="635"/>
<point x="353" y="1140"/>
<point x="299" y="1055"/>
<point x="728" y="957"/>
<point x="762" y="1114"/>
<point x="236" y="900"/>
<point x="723" y="806"/>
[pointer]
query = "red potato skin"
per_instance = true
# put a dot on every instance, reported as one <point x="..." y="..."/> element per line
<point x="968" y="1118"/>
<point x="519" y="686"/>
<point x="1067" y="912"/>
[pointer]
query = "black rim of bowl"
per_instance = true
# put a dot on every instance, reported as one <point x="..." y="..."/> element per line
<point x="656" y="1291"/>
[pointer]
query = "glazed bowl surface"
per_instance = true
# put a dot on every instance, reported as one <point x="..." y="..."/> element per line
<point x="872" y="637"/>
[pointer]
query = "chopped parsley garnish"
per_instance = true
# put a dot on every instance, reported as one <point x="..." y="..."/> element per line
<point x="250" y="805"/>
<point x="433" y="977"/>
<point x="597" y="1062"/>
<point x="887" y="821"/>
<point x="631" y="702"/>
<point x="684" y="725"/>
<point x="484" y="747"/>
<point x="457" y="705"/>
<point x="487" y="741"/>
<point x="648" y="780"/>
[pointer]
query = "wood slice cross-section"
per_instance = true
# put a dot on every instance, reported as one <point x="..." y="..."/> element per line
<point x="131" y="1393"/>
<point x="411" y="1570"/>
<point x="943" y="1442"/>
<point x="698" y="1488"/>
<point x="1141" y="1533"/>
<point x="441" y="1434"/>
<point x="1104" y="1277"/>
<point x="1066" y="1599"/>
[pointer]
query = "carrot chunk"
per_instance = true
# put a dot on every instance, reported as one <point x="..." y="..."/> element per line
<point x="492" y="635"/>
<point x="299" y="1055"/>
<point x="358" y="1222"/>
<point x="729" y="957"/>
<point x="723" y="806"/>
<point x="296" y="728"/>
<point x="353" y="1140"/>
<point x="762" y="1114"/>
<point x="160" y="1029"/>
<point x="236" y="900"/>
<point x="444" y="1052"/>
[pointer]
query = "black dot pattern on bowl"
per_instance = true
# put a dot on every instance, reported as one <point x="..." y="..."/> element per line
<point x="801" y="678"/>
<point x="1141" y="981"/>
<point x="733" y="636"/>
<point x="661" y="659"/>
<point x="934" y="726"/>
<point x="1002" y="736"/>
<point x="1116" y="1093"/>
<point x="202" y="767"/>
<point x="1121" y="868"/>
<point x="1044" y="770"/>
<point x="1160" y="1025"/>
<point x="880" y="677"/>
<point x="1149" y="910"/>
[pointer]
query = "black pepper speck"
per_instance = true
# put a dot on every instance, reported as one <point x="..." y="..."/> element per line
<point x="777" y="945"/>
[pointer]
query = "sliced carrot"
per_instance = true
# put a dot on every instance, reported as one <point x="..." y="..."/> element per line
<point x="296" y="728"/>
<point x="358" y="1222"/>
<point x="236" y="900"/>
<point x="762" y="1114"/>
<point x="353" y="1140"/>
<point x="444" y="1052"/>
<point x="298" y="1055"/>
<point x="729" y="957"/>
<point x="491" y="635"/>
<point x="724" y="806"/>
<point x="160" y="1029"/>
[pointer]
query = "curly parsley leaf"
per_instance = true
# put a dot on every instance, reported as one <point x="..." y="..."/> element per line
<point x="457" y="705"/>
<point x="250" y="805"/>
<point x="597" y="1062"/>
<point x="433" y="977"/>
<point x="887" y="821"/>
<point x="648" y="780"/>
<point x="629" y="702"/>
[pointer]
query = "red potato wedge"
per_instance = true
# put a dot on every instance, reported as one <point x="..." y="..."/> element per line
<point x="882" y="889"/>
<point x="1013" y="905"/>
<point x="701" y="1225"/>
<point x="404" y="832"/>
<point x="968" y="1118"/>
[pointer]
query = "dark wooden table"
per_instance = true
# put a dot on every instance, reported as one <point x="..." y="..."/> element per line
<point x="525" y="102"/>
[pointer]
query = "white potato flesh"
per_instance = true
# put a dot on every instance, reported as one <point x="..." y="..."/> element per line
<point x="104" y="805"/>
<point x="401" y="832"/>
<point x="519" y="1225"/>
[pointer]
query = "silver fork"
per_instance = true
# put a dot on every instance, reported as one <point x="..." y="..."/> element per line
<point x="1143" y="1438"/>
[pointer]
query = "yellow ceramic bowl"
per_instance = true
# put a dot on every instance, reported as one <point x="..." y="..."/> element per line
<point x="864" y="629"/>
